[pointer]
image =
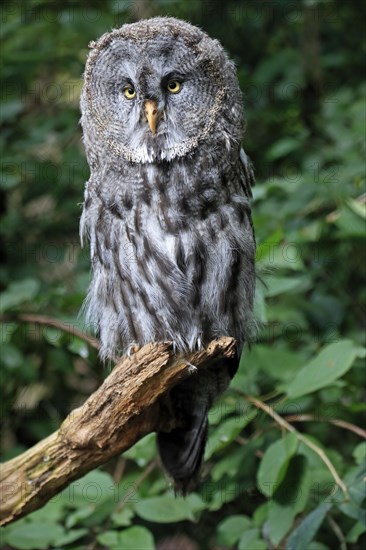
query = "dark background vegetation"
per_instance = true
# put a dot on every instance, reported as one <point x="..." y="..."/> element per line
<point x="300" y="66"/>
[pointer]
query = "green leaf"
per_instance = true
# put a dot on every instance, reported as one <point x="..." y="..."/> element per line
<point x="18" y="293"/>
<point x="136" y="538"/>
<point x="355" y="481"/>
<point x="286" y="255"/>
<point x="280" y="519"/>
<point x="230" y="529"/>
<point x="279" y="285"/>
<point x="79" y="347"/>
<point x="266" y="250"/>
<point x="250" y="540"/>
<point x="358" y="206"/>
<point x="283" y="147"/>
<point x="109" y="539"/>
<point x="91" y="490"/>
<point x="7" y="181"/>
<point x="219" y="494"/>
<point x="289" y="499"/>
<point x="10" y="110"/>
<point x="70" y="536"/>
<point x="359" y="453"/>
<point x="259" y="308"/>
<point x="226" y="432"/>
<point x="280" y="363"/>
<point x="302" y="536"/>
<point x="102" y="511"/>
<point x="53" y="336"/>
<point x="80" y="514"/>
<point x="351" y="219"/>
<point x="52" y="512"/>
<point x="260" y="514"/>
<point x="274" y="464"/>
<point x="229" y="464"/>
<point x="169" y="509"/>
<point x="355" y="532"/>
<point x="329" y="365"/>
<point x="123" y="518"/>
<point x="11" y="357"/>
<point x="144" y="451"/>
<point x="33" y="535"/>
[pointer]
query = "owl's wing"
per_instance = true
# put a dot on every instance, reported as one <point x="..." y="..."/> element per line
<point x="247" y="173"/>
<point x="247" y="181"/>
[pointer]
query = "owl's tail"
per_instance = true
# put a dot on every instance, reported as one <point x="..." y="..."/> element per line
<point x="182" y="449"/>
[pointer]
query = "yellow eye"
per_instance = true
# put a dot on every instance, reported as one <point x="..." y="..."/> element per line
<point x="129" y="92"/>
<point x="174" y="86"/>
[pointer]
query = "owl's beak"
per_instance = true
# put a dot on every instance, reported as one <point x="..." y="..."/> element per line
<point x="151" y="113"/>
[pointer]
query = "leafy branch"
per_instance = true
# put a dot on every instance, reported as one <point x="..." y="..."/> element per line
<point x="54" y="323"/>
<point x="289" y="428"/>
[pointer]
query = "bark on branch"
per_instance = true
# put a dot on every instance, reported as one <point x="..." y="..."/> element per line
<point x="125" y="408"/>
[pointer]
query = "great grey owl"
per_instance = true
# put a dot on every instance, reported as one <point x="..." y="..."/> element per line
<point x="167" y="210"/>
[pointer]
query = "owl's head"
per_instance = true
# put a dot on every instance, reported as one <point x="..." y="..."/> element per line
<point x="155" y="90"/>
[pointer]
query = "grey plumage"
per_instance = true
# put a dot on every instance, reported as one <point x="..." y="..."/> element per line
<point x="168" y="214"/>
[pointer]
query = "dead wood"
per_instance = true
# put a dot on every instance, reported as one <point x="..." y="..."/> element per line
<point x="126" y="407"/>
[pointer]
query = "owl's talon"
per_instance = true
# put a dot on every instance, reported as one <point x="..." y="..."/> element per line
<point x="132" y="348"/>
<point x="191" y="368"/>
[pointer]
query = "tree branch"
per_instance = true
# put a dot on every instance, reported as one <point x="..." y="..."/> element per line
<point x="289" y="427"/>
<point x="51" y="322"/>
<point x="125" y="408"/>
<point x="337" y="422"/>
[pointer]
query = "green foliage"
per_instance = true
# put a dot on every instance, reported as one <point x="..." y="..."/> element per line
<point x="332" y="362"/>
<point x="300" y="68"/>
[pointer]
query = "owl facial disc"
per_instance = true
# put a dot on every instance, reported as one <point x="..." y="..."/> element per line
<point x="159" y="89"/>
